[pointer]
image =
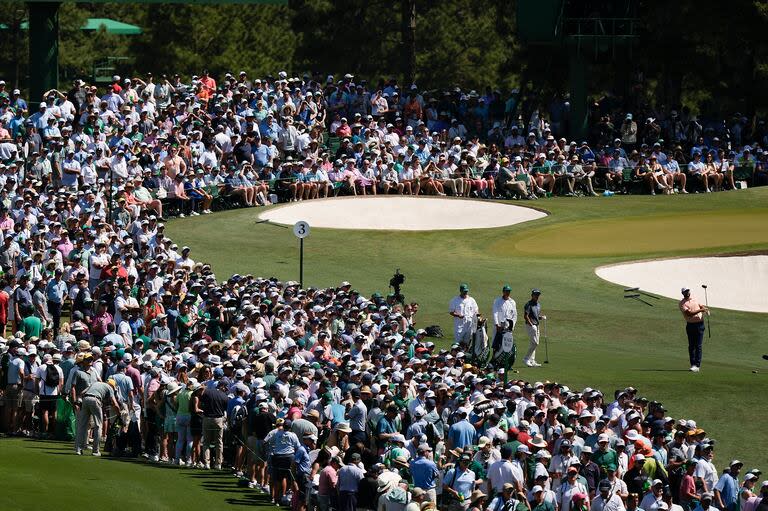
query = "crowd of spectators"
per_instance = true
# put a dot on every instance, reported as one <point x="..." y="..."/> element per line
<point x="319" y="397"/>
<point x="184" y="144"/>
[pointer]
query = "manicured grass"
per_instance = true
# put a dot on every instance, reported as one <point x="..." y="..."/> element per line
<point x="669" y="232"/>
<point x="47" y="475"/>
<point x="596" y="338"/>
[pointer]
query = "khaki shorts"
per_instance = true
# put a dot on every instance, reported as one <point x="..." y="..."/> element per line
<point x="14" y="396"/>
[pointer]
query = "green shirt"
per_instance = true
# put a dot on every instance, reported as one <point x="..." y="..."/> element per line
<point x="604" y="459"/>
<point x="102" y="391"/>
<point x="183" y="402"/>
<point x="31" y="326"/>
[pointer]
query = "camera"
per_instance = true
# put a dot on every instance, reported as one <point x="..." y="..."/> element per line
<point x="397" y="280"/>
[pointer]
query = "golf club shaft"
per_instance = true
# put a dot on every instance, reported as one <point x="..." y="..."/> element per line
<point x="706" y="302"/>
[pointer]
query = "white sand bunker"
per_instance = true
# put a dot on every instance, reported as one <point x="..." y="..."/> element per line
<point x="401" y="213"/>
<point x="738" y="282"/>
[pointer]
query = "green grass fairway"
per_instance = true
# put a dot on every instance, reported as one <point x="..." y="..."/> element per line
<point x="596" y="338"/>
<point x="47" y="475"/>
<point x="642" y="234"/>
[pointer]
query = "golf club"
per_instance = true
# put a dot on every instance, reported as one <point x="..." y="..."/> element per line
<point x="706" y="302"/>
<point x="546" y="342"/>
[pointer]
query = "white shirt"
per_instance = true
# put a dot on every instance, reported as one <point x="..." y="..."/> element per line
<point x="612" y="503"/>
<point x="500" y="473"/>
<point x="466" y="307"/>
<point x="503" y="311"/>
<point x="650" y="502"/>
<point x="567" y="491"/>
<point x="45" y="390"/>
<point x="707" y="472"/>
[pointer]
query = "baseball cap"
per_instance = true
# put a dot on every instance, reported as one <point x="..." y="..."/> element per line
<point x="506" y="287"/>
<point x="463" y="287"/>
<point x="684" y="290"/>
<point x="535" y="291"/>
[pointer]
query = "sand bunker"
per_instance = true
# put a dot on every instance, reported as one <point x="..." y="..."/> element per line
<point x="737" y="283"/>
<point x="401" y="213"/>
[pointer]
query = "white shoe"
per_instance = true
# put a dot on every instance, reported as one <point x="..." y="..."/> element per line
<point x="528" y="363"/>
<point x="535" y="364"/>
<point x="206" y="211"/>
<point x="692" y="369"/>
<point x="79" y="452"/>
<point x="206" y="466"/>
<point x="155" y="458"/>
<point x="194" y="213"/>
<point x="97" y="454"/>
<point x="182" y="215"/>
<point x="217" y="467"/>
<point x="695" y="369"/>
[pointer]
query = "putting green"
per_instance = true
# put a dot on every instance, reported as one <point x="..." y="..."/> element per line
<point x="654" y="233"/>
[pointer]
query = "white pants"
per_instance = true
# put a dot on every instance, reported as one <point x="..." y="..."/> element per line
<point x="533" y="342"/>
<point x="462" y="332"/>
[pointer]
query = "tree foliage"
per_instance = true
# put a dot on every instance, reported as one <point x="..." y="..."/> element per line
<point x="704" y="54"/>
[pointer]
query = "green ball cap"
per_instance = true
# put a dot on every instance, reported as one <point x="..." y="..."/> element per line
<point x="506" y="288"/>
<point x="464" y="287"/>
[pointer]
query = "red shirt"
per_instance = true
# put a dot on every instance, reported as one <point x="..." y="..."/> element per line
<point x="3" y="307"/>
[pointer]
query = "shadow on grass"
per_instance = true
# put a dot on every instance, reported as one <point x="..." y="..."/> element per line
<point x="663" y="370"/>
<point x="250" y="500"/>
<point x="214" y="481"/>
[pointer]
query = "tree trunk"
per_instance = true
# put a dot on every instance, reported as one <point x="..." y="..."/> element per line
<point x="409" y="41"/>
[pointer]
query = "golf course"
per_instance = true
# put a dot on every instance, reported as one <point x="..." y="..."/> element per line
<point x="595" y="336"/>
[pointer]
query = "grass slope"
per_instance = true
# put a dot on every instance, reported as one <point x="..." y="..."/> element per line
<point x="596" y="338"/>
<point x="47" y="475"/>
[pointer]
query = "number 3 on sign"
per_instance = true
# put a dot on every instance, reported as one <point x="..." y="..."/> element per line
<point x="301" y="229"/>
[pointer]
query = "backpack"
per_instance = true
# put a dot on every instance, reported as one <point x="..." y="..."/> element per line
<point x="5" y="362"/>
<point x="431" y="433"/>
<point x="238" y="416"/>
<point x="434" y="331"/>
<point x="52" y="376"/>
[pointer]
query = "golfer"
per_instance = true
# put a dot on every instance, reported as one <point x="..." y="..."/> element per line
<point x="464" y="310"/>
<point x="532" y="315"/>
<point x="693" y="312"/>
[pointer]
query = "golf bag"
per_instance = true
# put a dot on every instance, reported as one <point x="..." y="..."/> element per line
<point x="434" y="331"/>
<point x="480" y="349"/>
<point x="505" y="354"/>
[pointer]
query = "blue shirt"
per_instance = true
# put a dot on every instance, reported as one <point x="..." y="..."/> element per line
<point x="282" y="443"/>
<point x="349" y="477"/>
<point x="424" y="472"/>
<point x="302" y="460"/>
<point x="461" y="434"/>
<point x="357" y="415"/>
<point x="463" y="482"/>
<point x="55" y="291"/>
<point x="729" y="491"/>
<point x="237" y="400"/>
<point x="338" y="411"/>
